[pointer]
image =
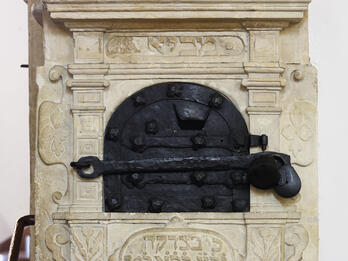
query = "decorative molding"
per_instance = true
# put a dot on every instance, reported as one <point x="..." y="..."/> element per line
<point x="123" y="71"/>
<point x="180" y="70"/>
<point x="272" y="68"/>
<point x="166" y="219"/>
<point x="290" y="10"/>
<point x="57" y="237"/>
<point x="88" y="69"/>
<point x="272" y="218"/>
<point x="265" y="25"/>
<point x="88" y="83"/>
<point x="264" y="110"/>
<point x="275" y="84"/>
<point x="264" y="84"/>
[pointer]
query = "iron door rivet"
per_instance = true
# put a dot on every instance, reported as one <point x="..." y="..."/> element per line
<point x="208" y="202"/>
<point x="156" y="205"/>
<point x="216" y="100"/>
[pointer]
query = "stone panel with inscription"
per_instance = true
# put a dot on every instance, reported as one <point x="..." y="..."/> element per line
<point x="198" y="46"/>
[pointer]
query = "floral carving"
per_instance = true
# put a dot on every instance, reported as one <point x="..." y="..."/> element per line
<point x="53" y="134"/>
<point x="296" y="241"/>
<point x="88" y="244"/>
<point x="53" y="121"/>
<point x="54" y="130"/>
<point x="265" y="244"/>
<point x="121" y="45"/>
<point x="300" y="132"/>
<point x="57" y="237"/>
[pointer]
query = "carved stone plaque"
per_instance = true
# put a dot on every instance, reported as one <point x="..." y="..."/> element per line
<point x="176" y="244"/>
<point x="198" y="46"/>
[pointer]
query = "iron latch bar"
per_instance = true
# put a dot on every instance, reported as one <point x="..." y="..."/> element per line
<point x="264" y="170"/>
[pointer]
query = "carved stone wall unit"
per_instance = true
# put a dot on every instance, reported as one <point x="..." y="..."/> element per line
<point x="97" y="53"/>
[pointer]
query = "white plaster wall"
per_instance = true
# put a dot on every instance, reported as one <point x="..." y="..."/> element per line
<point x="14" y="114"/>
<point x="328" y="51"/>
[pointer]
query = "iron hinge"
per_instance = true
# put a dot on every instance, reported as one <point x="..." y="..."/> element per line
<point x="259" y="141"/>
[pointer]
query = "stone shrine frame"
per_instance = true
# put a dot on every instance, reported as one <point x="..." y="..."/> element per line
<point x="87" y="56"/>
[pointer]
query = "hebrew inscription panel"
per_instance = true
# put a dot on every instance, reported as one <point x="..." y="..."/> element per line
<point x="177" y="244"/>
<point x="143" y="46"/>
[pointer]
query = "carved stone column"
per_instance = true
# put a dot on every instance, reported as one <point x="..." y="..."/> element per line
<point x="264" y="84"/>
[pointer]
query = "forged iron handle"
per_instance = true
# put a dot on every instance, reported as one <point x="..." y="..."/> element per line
<point x="291" y="184"/>
<point x="265" y="173"/>
<point x="17" y="237"/>
<point x="264" y="170"/>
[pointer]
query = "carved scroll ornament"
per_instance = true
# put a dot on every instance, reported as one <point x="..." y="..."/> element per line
<point x="58" y="238"/>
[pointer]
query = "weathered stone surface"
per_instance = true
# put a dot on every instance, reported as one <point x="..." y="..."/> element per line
<point x="95" y="56"/>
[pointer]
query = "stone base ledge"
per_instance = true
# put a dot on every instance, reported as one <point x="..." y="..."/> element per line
<point x="280" y="217"/>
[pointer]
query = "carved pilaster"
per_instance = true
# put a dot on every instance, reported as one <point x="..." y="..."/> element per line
<point x="88" y="114"/>
<point x="88" y="108"/>
<point x="264" y="84"/>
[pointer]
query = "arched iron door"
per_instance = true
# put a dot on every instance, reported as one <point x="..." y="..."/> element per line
<point x="179" y="120"/>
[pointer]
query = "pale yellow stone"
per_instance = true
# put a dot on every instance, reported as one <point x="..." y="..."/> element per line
<point x="97" y="54"/>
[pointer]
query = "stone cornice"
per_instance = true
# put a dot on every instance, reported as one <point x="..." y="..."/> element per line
<point x="240" y="10"/>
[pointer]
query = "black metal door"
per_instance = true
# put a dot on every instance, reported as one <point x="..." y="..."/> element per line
<point x="176" y="120"/>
